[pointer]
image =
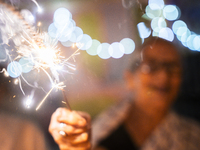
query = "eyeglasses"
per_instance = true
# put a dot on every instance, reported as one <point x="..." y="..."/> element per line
<point x="153" y="67"/>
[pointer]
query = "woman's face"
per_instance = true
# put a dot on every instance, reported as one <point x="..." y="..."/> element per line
<point x="157" y="80"/>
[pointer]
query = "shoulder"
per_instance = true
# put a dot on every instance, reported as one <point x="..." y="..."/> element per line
<point x="174" y="132"/>
<point x="188" y="126"/>
<point x="182" y="127"/>
<point x="183" y="123"/>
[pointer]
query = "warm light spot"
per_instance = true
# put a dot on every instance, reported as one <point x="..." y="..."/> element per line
<point x="39" y="24"/>
<point x="28" y="102"/>
<point x="16" y="81"/>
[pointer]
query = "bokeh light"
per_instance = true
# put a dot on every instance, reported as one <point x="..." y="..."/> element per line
<point x="63" y="26"/>
<point x="196" y="42"/>
<point x="158" y="23"/>
<point x="65" y="30"/>
<point x="26" y="64"/>
<point x="62" y="37"/>
<point x="129" y="45"/>
<point x="67" y="43"/>
<point x="177" y="24"/>
<point x="116" y="50"/>
<point x="152" y="13"/>
<point x="75" y="34"/>
<point x="52" y="30"/>
<point x="155" y="33"/>
<point x="157" y="12"/>
<point x="190" y="42"/>
<point x="84" y="42"/>
<point x="184" y="37"/>
<point x="156" y="4"/>
<point x="102" y="51"/>
<point x="93" y="49"/>
<point x="64" y="34"/>
<point x="144" y="32"/>
<point x="171" y="12"/>
<point x="14" y="69"/>
<point x="183" y="33"/>
<point x="166" y="33"/>
<point x="61" y="17"/>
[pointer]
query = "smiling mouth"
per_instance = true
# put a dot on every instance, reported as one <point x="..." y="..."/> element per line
<point x="162" y="90"/>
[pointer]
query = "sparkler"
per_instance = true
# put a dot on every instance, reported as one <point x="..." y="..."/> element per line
<point x="58" y="86"/>
<point x="34" y="50"/>
<point x="38" y="6"/>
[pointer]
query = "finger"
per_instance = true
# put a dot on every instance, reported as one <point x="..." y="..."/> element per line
<point x="86" y="116"/>
<point x="76" y="139"/>
<point x="71" y="118"/>
<point x="58" y="138"/>
<point x="72" y="142"/>
<point x="81" y="138"/>
<point x="54" y="124"/>
<point x="82" y="146"/>
<point x="69" y="129"/>
<point x="54" y="118"/>
<point x="62" y="136"/>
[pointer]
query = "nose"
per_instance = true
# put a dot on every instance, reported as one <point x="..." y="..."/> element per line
<point x="162" y="76"/>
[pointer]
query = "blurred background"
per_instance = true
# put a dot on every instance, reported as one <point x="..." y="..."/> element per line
<point x="97" y="82"/>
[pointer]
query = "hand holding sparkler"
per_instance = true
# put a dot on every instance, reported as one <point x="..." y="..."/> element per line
<point x="70" y="129"/>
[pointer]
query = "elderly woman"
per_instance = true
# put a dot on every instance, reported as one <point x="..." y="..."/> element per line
<point x="144" y="121"/>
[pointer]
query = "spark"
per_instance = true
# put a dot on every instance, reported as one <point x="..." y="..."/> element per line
<point x="38" y="6"/>
<point x="16" y="81"/>
<point x="38" y="49"/>
<point x="58" y="86"/>
<point x="44" y="54"/>
<point x="66" y="101"/>
<point x="72" y="55"/>
<point x="5" y="72"/>
<point x="39" y="24"/>
<point x="28" y="102"/>
<point x="44" y="98"/>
